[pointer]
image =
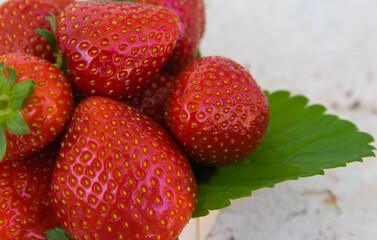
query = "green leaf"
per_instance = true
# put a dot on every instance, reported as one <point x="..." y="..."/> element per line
<point x="57" y="234"/>
<point x="49" y="37"/>
<point x="22" y="92"/>
<point x="3" y="143"/>
<point x="52" y="20"/>
<point x="301" y="141"/>
<point x="12" y="76"/>
<point x="12" y="98"/>
<point x="16" y="124"/>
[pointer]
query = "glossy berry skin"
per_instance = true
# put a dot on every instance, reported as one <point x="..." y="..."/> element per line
<point x="217" y="111"/>
<point x="48" y="109"/>
<point x="119" y="175"/>
<point x="25" y="204"/>
<point x="152" y="99"/>
<point x="114" y="48"/>
<point x="192" y="16"/>
<point x="18" y="20"/>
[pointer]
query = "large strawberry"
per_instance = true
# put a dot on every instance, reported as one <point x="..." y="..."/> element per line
<point x="217" y="111"/>
<point x="35" y="104"/>
<point x="18" y="21"/>
<point x="25" y="204"/>
<point x="120" y="175"/>
<point x="152" y="99"/>
<point x="192" y="16"/>
<point x="114" y="48"/>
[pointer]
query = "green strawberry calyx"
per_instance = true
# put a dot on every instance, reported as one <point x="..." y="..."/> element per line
<point x="12" y="98"/>
<point x="50" y="37"/>
<point x="57" y="234"/>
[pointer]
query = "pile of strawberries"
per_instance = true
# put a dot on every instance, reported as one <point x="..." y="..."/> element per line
<point x="103" y="110"/>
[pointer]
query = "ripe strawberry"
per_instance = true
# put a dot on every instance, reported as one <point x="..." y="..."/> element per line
<point x="120" y="175"/>
<point x="217" y="111"/>
<point x="25" y="205"/>
<point x="61" y="4"/>
<point x="18" y="20"/>
<point x="35" y="104"/>
<point x="192" y="16"/>
<point x="151" y="100"/>
<point x="114" y="48"/>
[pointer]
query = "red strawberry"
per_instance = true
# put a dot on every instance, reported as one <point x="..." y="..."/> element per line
<point x="192" y="16"/>
<point x="151" y="100"/>
<point x="217" y="111"/>
<point x="35" y="104"/>
<point x="114" y="48"/>
<point x="61" y="4"/>
<point x="25" y="204"/>
<point x="120" y="175"/>
<point x="18" y="20"/>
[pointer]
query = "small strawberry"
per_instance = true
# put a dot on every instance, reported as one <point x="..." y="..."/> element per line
<point x="113" y="48"/>
<point x="151" y="100"/>
<point x="25" y="204"/>
<point x="217" y="111"/>
<point x="119" y="175"/>
<point x="35" y="104"/>
<point x="192" y="16"/>
<point x="18" y="21"/>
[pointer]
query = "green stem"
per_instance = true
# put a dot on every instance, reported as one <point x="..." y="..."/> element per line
<point x="199" y="54"/>
<point x="50" y="37"/>
<point x="59" y="61"/>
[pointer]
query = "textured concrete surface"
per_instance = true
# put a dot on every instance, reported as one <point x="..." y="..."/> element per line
<point x="327" y="51"/>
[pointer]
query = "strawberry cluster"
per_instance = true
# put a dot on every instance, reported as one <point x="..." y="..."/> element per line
<point x="102" y="110"/>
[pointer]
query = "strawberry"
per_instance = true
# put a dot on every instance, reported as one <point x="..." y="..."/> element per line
<point x="217" y="111"/>
<point x="25" y="206"/>
<point x="151" y="100"/>
<point x="18" y="20"/>
<point x="192" y="16"/>
<point x="119" y="175"/>
<point x="35" y="104"/>
<point x="61" y="4"/>
<point x="113" y="48"/>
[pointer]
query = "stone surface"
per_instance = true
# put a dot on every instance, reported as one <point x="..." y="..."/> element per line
<point x="327" y="51"/>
